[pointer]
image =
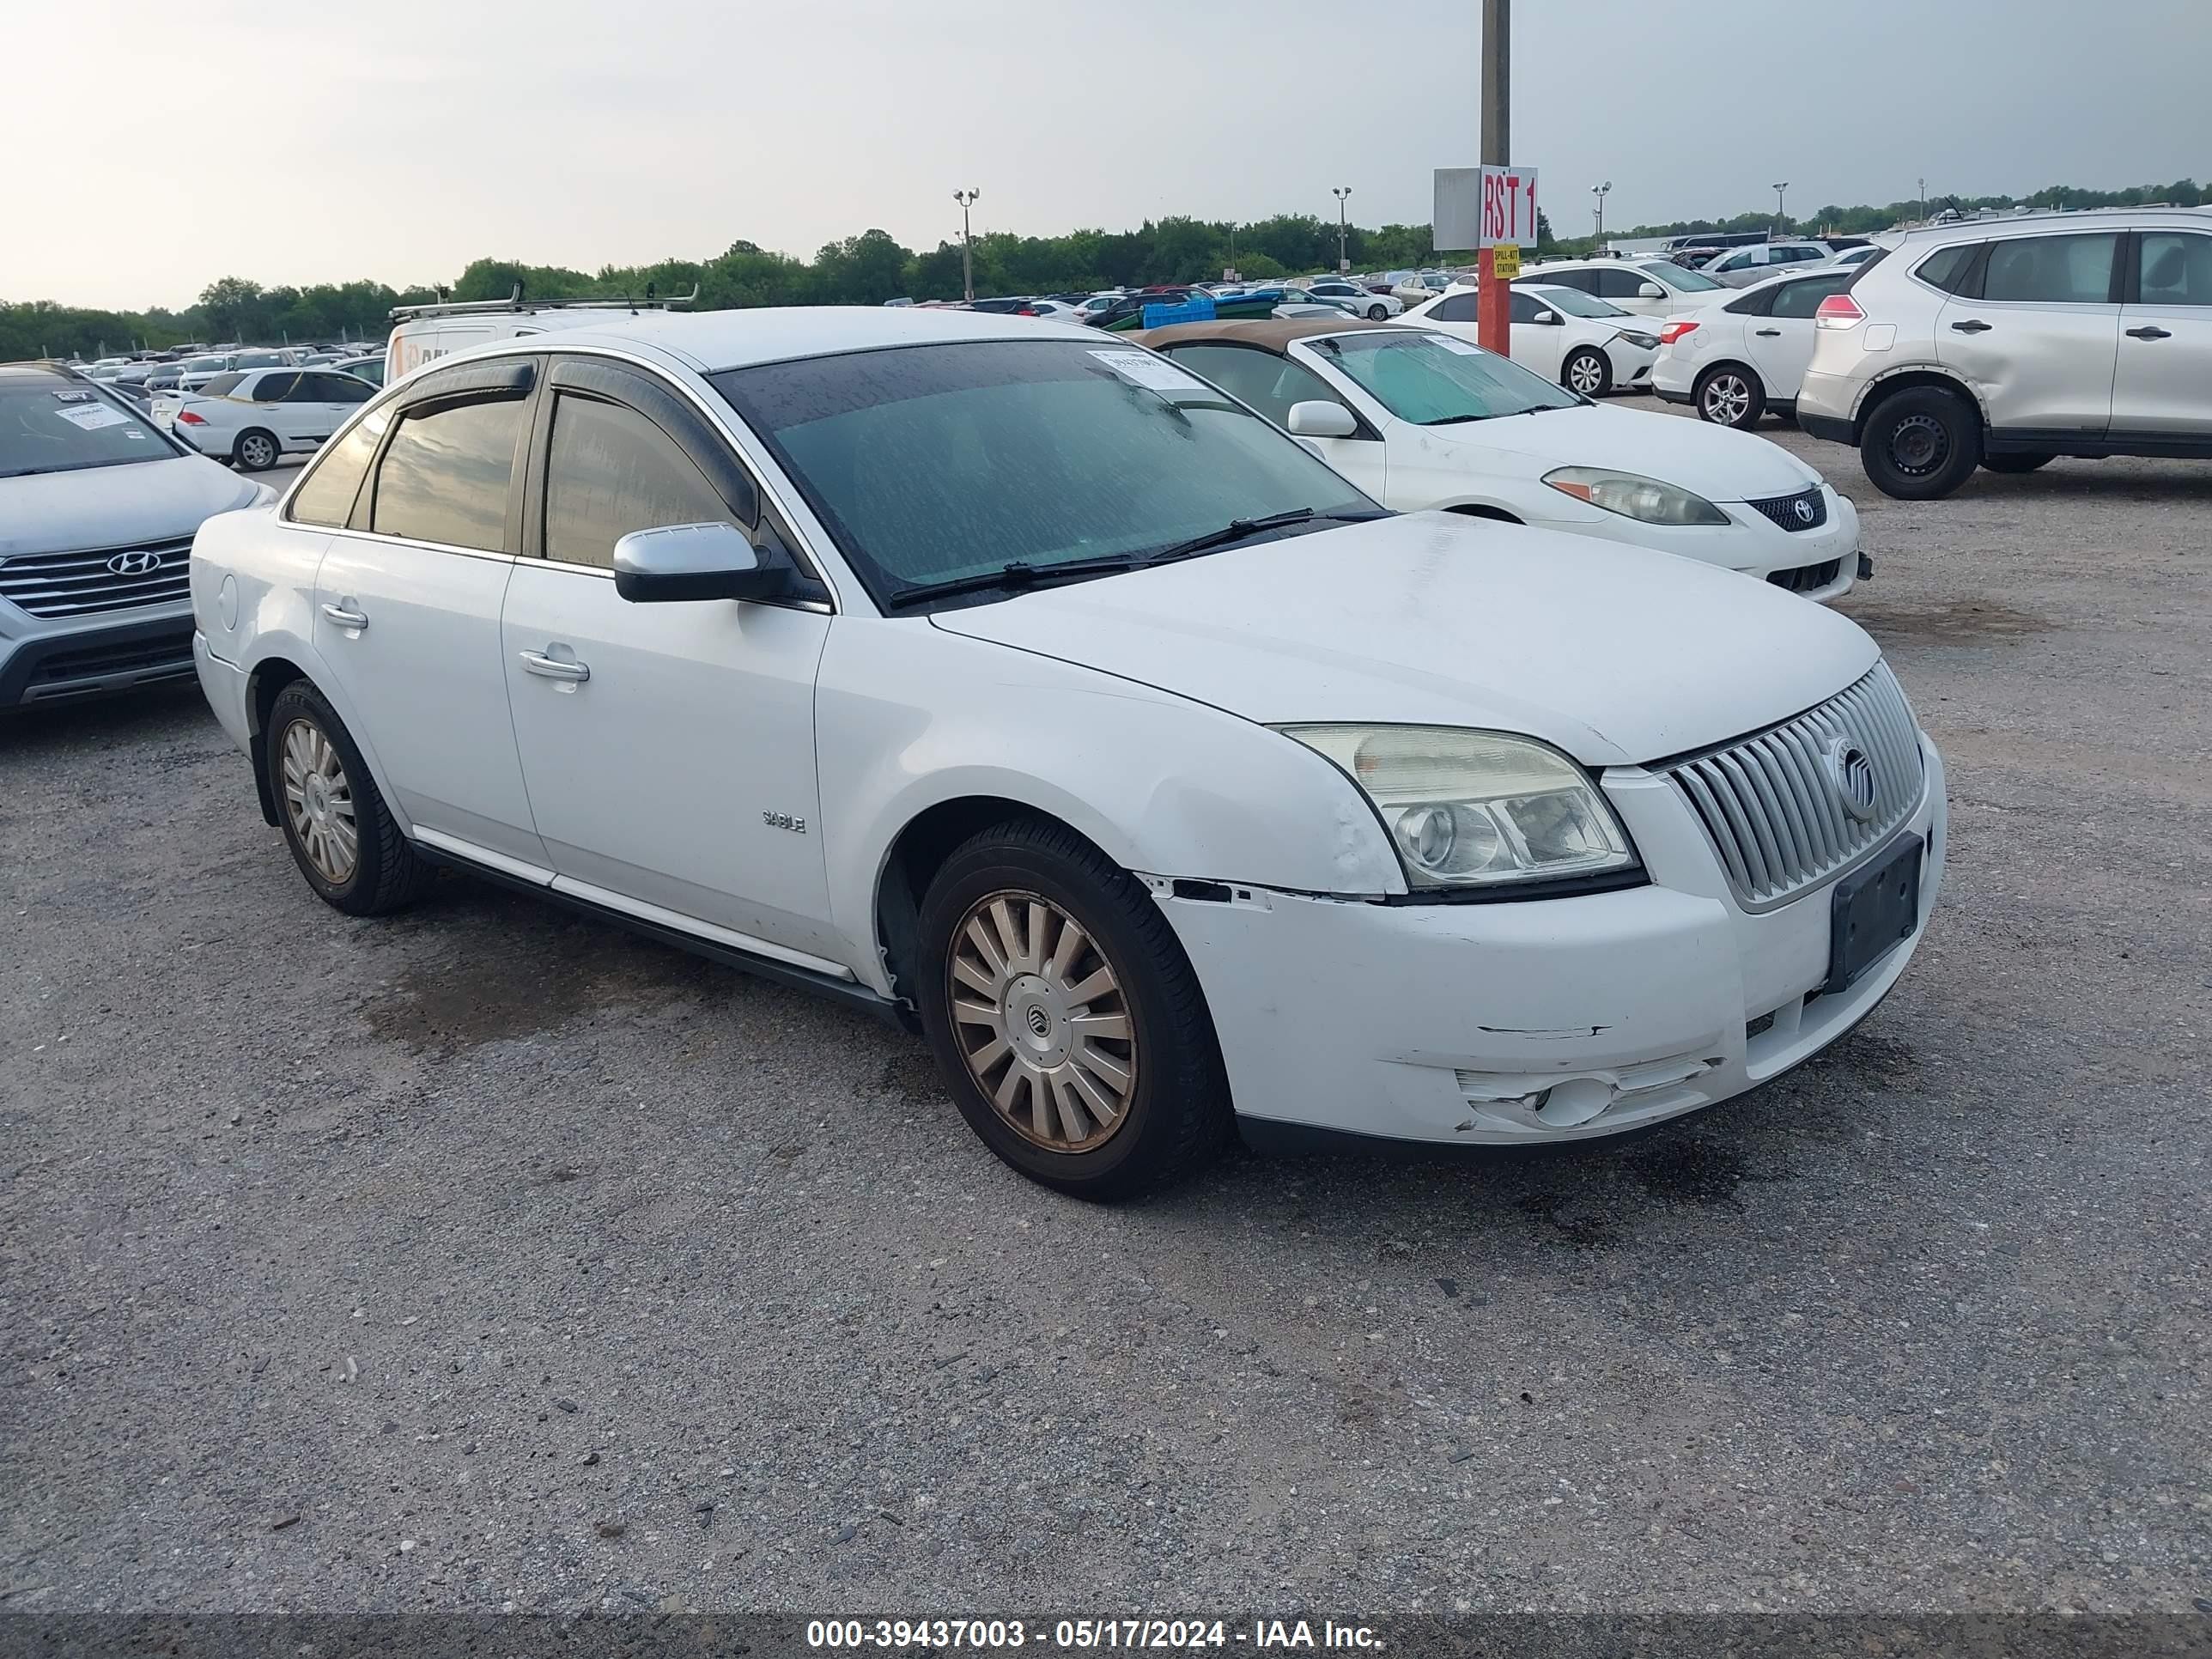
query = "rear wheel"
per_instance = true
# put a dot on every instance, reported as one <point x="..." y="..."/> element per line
<point x="256" y="450"/>
<point x="1921" y="444"/>
<point x="1587" y="372"/>
<point x="342" y="837"/>
<point x="2017" y="462"/>
<point x="1729" y="394"/>
<point x="1378" y="313"/>
<point x="1065" y="1016"/>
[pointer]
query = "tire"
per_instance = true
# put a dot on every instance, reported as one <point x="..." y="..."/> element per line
<point x="2016" y="462"/>
<point x="320" y="783"/>
<point x="1587" y="371"/>
<point x="1921" y="444"/>
<point x="256" y="450"/>
<point x="1378" y="313"/>
<point x="1729" y="394"/>
<point x="1020" y="884"/>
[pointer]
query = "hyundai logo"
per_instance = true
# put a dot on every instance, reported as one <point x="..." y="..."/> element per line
<point x="1804" y="510"/>
<point x="1851" y="773"/>
<point x="134" y="564"/>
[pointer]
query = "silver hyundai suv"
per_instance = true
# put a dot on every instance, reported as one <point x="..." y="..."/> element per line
<point x="2005" y="343"/>
<point x="98" y="507"/>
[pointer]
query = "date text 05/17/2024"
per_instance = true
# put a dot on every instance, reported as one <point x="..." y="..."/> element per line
<point x="1083" y="1634"/>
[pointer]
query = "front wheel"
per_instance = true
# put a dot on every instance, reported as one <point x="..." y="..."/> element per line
<point x="256" y="450"/>
<point x="1921" y="444"/>
<point x="1728" y="395"/>
<point x="1587" y="372"/>
<point x="2017" y="462"/>
<point x="1065" y="1016"/>
<point x="1378" y="313"/>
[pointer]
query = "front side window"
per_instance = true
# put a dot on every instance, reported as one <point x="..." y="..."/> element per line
<point x="1432" y="379"/>
<point x="1270" y="384"/>
<point x="1682" y="280"/>
<point x="446" y="475"/>
<point x="610" y="470"/>
<point x="2177" y="269"/>
<point x="1578" y="304"/>
<point x="938" y="464"/>
<point x="1624" y="284"/>
<point x="326" y="495"/>
<point x="332" y="389"/>
<point x="1524" y="308"/>
<point x="48" y="425"/>
<point x="2052" y="269"/>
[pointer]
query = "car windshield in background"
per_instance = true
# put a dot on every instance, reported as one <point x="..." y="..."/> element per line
<point x="46" y="429"/>
<point x="945" y="464"/>
<point x="1682" y="278"/>
<point x="207" y="365"/>
<point x="261" y="360"/>
<point x="1576" y="303"/>
<point x="1433" y="379"/>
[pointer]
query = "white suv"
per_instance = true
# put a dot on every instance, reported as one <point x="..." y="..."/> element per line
<point x="2005" y="343"/>
<point x="835" y="644"/>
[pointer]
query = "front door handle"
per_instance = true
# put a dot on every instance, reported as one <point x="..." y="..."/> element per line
<point x="552" y="668"/>
<point x="1768" y="333"/>
<point x="345" y="617"/>
<point x="1972" y="325"/>
<point x="2151" y="332"/>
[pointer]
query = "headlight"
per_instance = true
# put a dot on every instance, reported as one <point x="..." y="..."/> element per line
<point x="1476" y="809"/>
<point x="1646" y="500"/>
<point x="1642" y="341"/>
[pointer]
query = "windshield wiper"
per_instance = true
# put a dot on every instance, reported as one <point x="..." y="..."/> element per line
<point x="1237" y="529"/>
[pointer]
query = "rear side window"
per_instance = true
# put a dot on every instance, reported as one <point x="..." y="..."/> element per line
<point x="1757" y="303"/>
<point x="1947" y="267"/>
<point x="1462" y="308"/>
<point x="1803" y="299"/>
<point x="1584" y="280"/>
<point x="2052" y="269"/>
<point x="274" y="389"/>
<point x="326" y="495"/>
<point x="445" y="476"/>
<point x="220" y="386"/>
<point x="610" y="470"/>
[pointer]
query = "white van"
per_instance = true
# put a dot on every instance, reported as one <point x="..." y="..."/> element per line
<point x="421" y="334"/>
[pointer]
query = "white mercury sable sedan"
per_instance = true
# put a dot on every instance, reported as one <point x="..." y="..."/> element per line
<point x="1015" y="683"/>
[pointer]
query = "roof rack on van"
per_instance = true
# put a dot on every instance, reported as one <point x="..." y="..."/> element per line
<point x="514" y="302"/>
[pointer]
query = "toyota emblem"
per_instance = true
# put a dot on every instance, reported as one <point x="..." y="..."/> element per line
<point x="134" y="564"/>
<point x="1851" y="773"/>
<point x="1804" y="509"/>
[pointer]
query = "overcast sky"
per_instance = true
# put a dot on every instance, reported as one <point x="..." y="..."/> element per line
<point x="152" y="146"/>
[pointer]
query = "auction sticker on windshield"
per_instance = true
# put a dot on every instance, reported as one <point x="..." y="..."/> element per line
<point x="92" y="416"/>
<point x="1450" y="344"/>
<point x="1154" y="373"/>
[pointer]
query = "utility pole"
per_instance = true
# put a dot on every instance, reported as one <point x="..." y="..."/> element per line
<point x="1343" y="193"/>
<point x="1600" y="192"/>
<point x="1924" y="201"/>
<point x="1492" y="303"/>
<point x="967" y="199"/>
<point x="1778" y="220"/>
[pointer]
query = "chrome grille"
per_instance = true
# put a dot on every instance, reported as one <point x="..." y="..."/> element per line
<point x="70" y="584"/>
<point x="1773" y="803"/>
<point x="1782" y="509"/>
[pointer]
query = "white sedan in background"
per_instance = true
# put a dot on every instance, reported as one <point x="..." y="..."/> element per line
<point x="1649" y="288"/>
<point x="1422" y="419"/>
<point x="1736" y="359"/>
<point x="253" y="417"/>
<point x="1376" y="307"/>
<point x="1586" y="344"/>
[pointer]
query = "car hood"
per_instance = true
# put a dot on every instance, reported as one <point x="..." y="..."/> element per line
<point x="110" y="506"/>
<point x="1616" y="655"/>
<point x="1716" y="462"/>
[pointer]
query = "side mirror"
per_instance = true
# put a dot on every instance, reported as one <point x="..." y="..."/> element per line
<point x="1319" y="419"/>
<point x="697" y="561"/>
<point x="1549" y="318"/>
<point x="1650" y="291"/>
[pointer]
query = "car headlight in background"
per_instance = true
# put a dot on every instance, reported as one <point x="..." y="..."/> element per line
<point x="1476" y="809"/>
<point x="1641" y="342"/>
<point x="1646" y="500"/>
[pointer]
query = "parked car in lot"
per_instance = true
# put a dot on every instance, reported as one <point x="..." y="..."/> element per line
<point x="370" y="369"/>
<point x="1585" y="344"/>
<point x="2003" y="343"/>
<point x="1739" y="357"/>
<point x="1741" y="267"/>
<point x="256" y="416"/>
<point x="1648" y="287"/>
<point x="835" y="643"/>
<point x="423" y="333"/>
<point x="1850" y="258"/>
<point x="1358" y="300"/>
<point x="194" y="373"/>
<point x="97" y="512"/>
<point x="1419" y="419"/>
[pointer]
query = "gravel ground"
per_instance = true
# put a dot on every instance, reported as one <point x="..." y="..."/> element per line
<point x="489" y="1257"/>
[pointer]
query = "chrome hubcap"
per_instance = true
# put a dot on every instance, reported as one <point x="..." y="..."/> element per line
<point x="1582" y="374"/>
<point x="319" y="802"/>
<point x="1043" y="1022"/>
<point x="1728" y="400"/>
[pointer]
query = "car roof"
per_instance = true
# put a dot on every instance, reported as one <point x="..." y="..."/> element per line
<point x="1275" y="334"/>
<point x="37" y="370"/>
<point x="2005" y="224"/>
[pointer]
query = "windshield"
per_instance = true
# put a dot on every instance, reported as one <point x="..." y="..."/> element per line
<point x="207" y="365"/>
<point x="1433" y="379"/>
<point x="1576" y="303"/>
<point x="932" y="464"/>
<point x="260" y="360"/>
<point x="1681" y="279"/>
<point x="46" y="429"/>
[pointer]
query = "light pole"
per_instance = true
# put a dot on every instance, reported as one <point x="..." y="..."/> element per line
<point x="967" y="199"/>
<point x="1600" y="192"/>
<point x="1779" y="189"/>
<point x="1342" y="193"/>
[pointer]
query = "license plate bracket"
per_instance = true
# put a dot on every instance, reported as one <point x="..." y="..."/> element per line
<point x="1873" y="911"/>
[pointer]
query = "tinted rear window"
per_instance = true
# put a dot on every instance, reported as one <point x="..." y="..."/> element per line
<point x="1947" y="267"/>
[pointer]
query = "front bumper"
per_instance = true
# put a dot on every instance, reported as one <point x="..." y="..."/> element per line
<point x="1505" y="1023"/>
<point x="97" y="658"/>
<point x="1750" y="542"/>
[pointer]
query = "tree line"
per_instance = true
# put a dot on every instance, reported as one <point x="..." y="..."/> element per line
<point x="874" y="266"/>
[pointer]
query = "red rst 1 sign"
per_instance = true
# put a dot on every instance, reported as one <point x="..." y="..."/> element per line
<point x="1509" y="206"/>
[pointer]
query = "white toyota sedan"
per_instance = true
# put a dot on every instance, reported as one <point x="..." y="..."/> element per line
<point x="1419" y="419"/>
<point x="1021" y="686"/>
<point x="1587" y="344"/>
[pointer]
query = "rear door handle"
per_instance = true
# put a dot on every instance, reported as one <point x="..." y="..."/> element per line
<point x="1768" y="333"/>
<point x="552" y="668"/>
<point x="2151" y="332"/>
<point x="346" y="618"/>
<point x="1972" y="325"/>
